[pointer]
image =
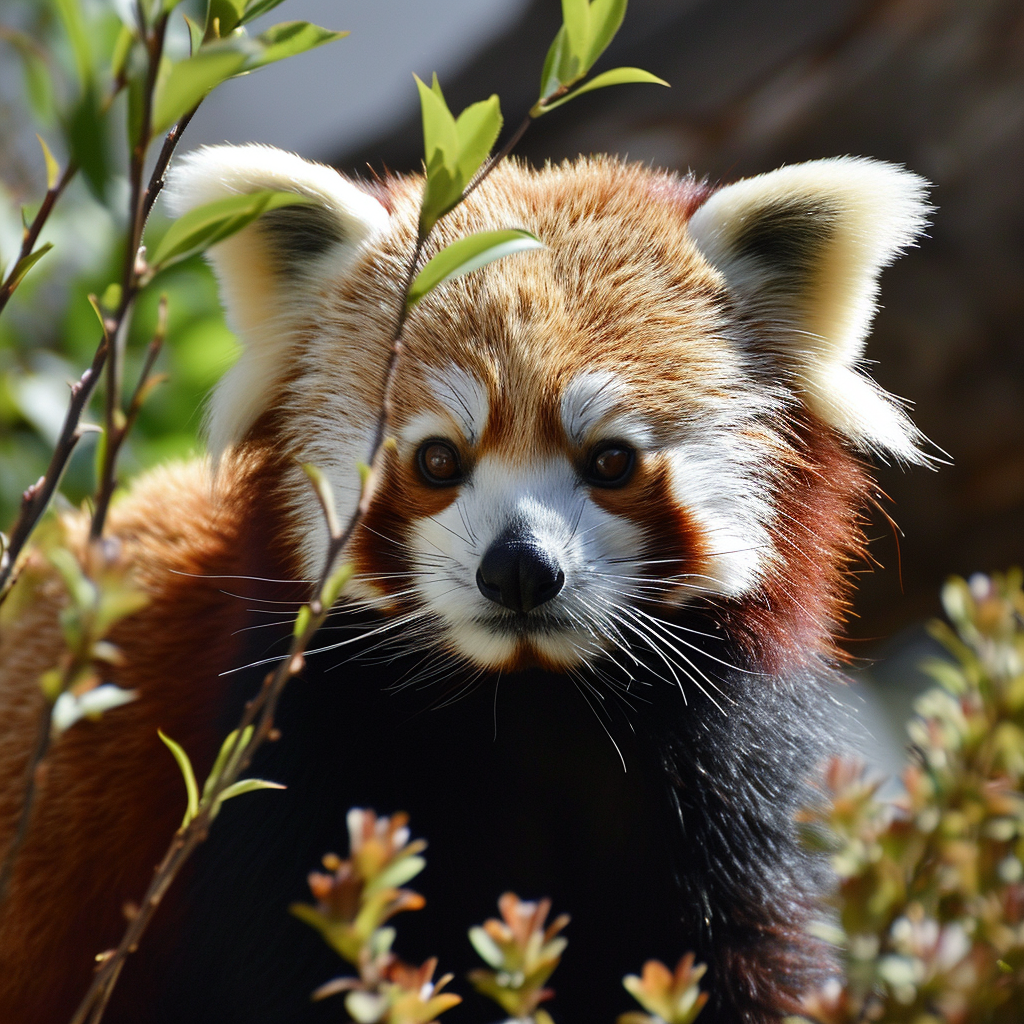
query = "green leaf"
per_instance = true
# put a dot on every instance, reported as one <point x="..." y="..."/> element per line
<point x="52" y="167"/>
<point x="195" y="34"/>
<point x="469" y="254"/>
<point x="228" y="11"/>
<point x="243" y="786"/>
<point x="617" y="76"/>
<point x="229" y="748"/>
<point x="302" y="620"/>
<point x="440" y="136"/>
<point x="288" y="39"/>
<point x="605" y="19"/>
<point x="191" y="79"/>
<point x="558" y="51"/>
<point x="258" y="7"/>
<point x="576" y="19"/>
<point x="324" y="492"/>
<point x="38" y="79"/>
<point x="122" y="48"/>
<point x="213" y="222"/>
<point x="23" y="266"/>
<point x="336" y="584"/>
<point x="477" y="128"/>
<point x="74" y="24"/>
<point x="185" y="766"/>
<point x="87" y="140"/>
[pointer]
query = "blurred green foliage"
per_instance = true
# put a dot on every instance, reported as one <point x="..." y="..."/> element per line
<point x="49" y="332"/>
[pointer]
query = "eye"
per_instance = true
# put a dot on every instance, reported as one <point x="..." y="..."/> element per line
<point x="439" y="463"/>
<point x="610" y="464"/>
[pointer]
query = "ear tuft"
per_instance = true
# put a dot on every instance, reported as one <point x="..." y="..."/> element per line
<point x="266" y="270"/>
<point x="801" y="249"/>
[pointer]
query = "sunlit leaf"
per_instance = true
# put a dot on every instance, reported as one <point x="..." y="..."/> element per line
<point x="397" y="874"/>
<point x="576" y="19"/>
<point x="477" y="128"/>
<point x="336" y="584"/>
<point x="469" y="254"/>
<point x="230" y="750"/>
<point x="245" y="786"/>
<point x="288" y="39"/>
<point x="258" y="7"/>
<point x="52" y="167"/>
<point x="69" y="708"/>
<point x="617" y="76"/>
<point x="325" y="493"/>
<point x="23" y="266"/>
<point x="191" y="79"/>
<point x="185" y="766"/>
<point x="213" y="222"/>
<point x="605" y="19"/>
<point x="486" y="947"/>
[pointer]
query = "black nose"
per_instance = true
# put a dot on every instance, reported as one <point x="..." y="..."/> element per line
<point x="516" y="573"/>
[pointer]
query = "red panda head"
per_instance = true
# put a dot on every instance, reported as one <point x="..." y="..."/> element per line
<point x="659" y="408"/>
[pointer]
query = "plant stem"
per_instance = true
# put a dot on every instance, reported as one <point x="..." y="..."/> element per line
<point x="130" y="278"/>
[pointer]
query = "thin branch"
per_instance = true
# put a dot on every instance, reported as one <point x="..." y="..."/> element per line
<point x="133" y="270"/>
<point x="32" y="231"/>
<point x="37" y="497"/>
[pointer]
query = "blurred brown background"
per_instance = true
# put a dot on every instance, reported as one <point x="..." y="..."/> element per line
<point x="937" y="85"/>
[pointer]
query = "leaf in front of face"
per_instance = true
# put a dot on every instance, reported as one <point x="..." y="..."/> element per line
<point x="605" y="19"/>
<point x="576" y="19"/>
<point x="617" y="76"/>
<point x="441" y="155"/>
<point x="288" y="39"/>
<point x="213" y="222"/>
<point x="469" y="254"/>
<point x="477" y="128"/>
<point x="189" y="80"/>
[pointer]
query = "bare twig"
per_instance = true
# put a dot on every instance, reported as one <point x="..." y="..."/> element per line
<point x="134" y="268"/>
<point x="32" y="231"/>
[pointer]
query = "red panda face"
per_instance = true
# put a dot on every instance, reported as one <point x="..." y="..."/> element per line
<point x="586" y="436"/>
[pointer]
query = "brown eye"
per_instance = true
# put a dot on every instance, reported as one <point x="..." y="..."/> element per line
<point x="611" y="465"/>
<point x="439" y="463"/>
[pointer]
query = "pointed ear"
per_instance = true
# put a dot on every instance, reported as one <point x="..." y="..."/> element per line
<point x="801" y="249"/>
<point x="266" y="270"/>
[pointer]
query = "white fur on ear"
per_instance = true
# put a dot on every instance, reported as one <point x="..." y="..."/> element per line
<point x="801" y="249"/>
<point x="265" y="269"/>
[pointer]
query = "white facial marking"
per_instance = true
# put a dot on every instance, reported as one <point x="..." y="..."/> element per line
<point x="592" y="547"/>
<point x="464" y="398"/>
<point x="597" y="401"/>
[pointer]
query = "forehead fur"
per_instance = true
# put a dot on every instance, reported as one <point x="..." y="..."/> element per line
<point x="620" y="291"/>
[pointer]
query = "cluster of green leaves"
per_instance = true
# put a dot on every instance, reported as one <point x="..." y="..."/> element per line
<point x="931" y="896"/>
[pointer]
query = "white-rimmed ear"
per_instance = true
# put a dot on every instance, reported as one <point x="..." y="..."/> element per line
<point x="266" y="270"/>
<point x="801" y="249"/>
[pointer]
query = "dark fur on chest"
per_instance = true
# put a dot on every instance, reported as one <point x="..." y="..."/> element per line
<point x="517" y="785"/>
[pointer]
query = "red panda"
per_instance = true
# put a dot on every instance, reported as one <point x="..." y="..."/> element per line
<point x="628" y="472"/>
